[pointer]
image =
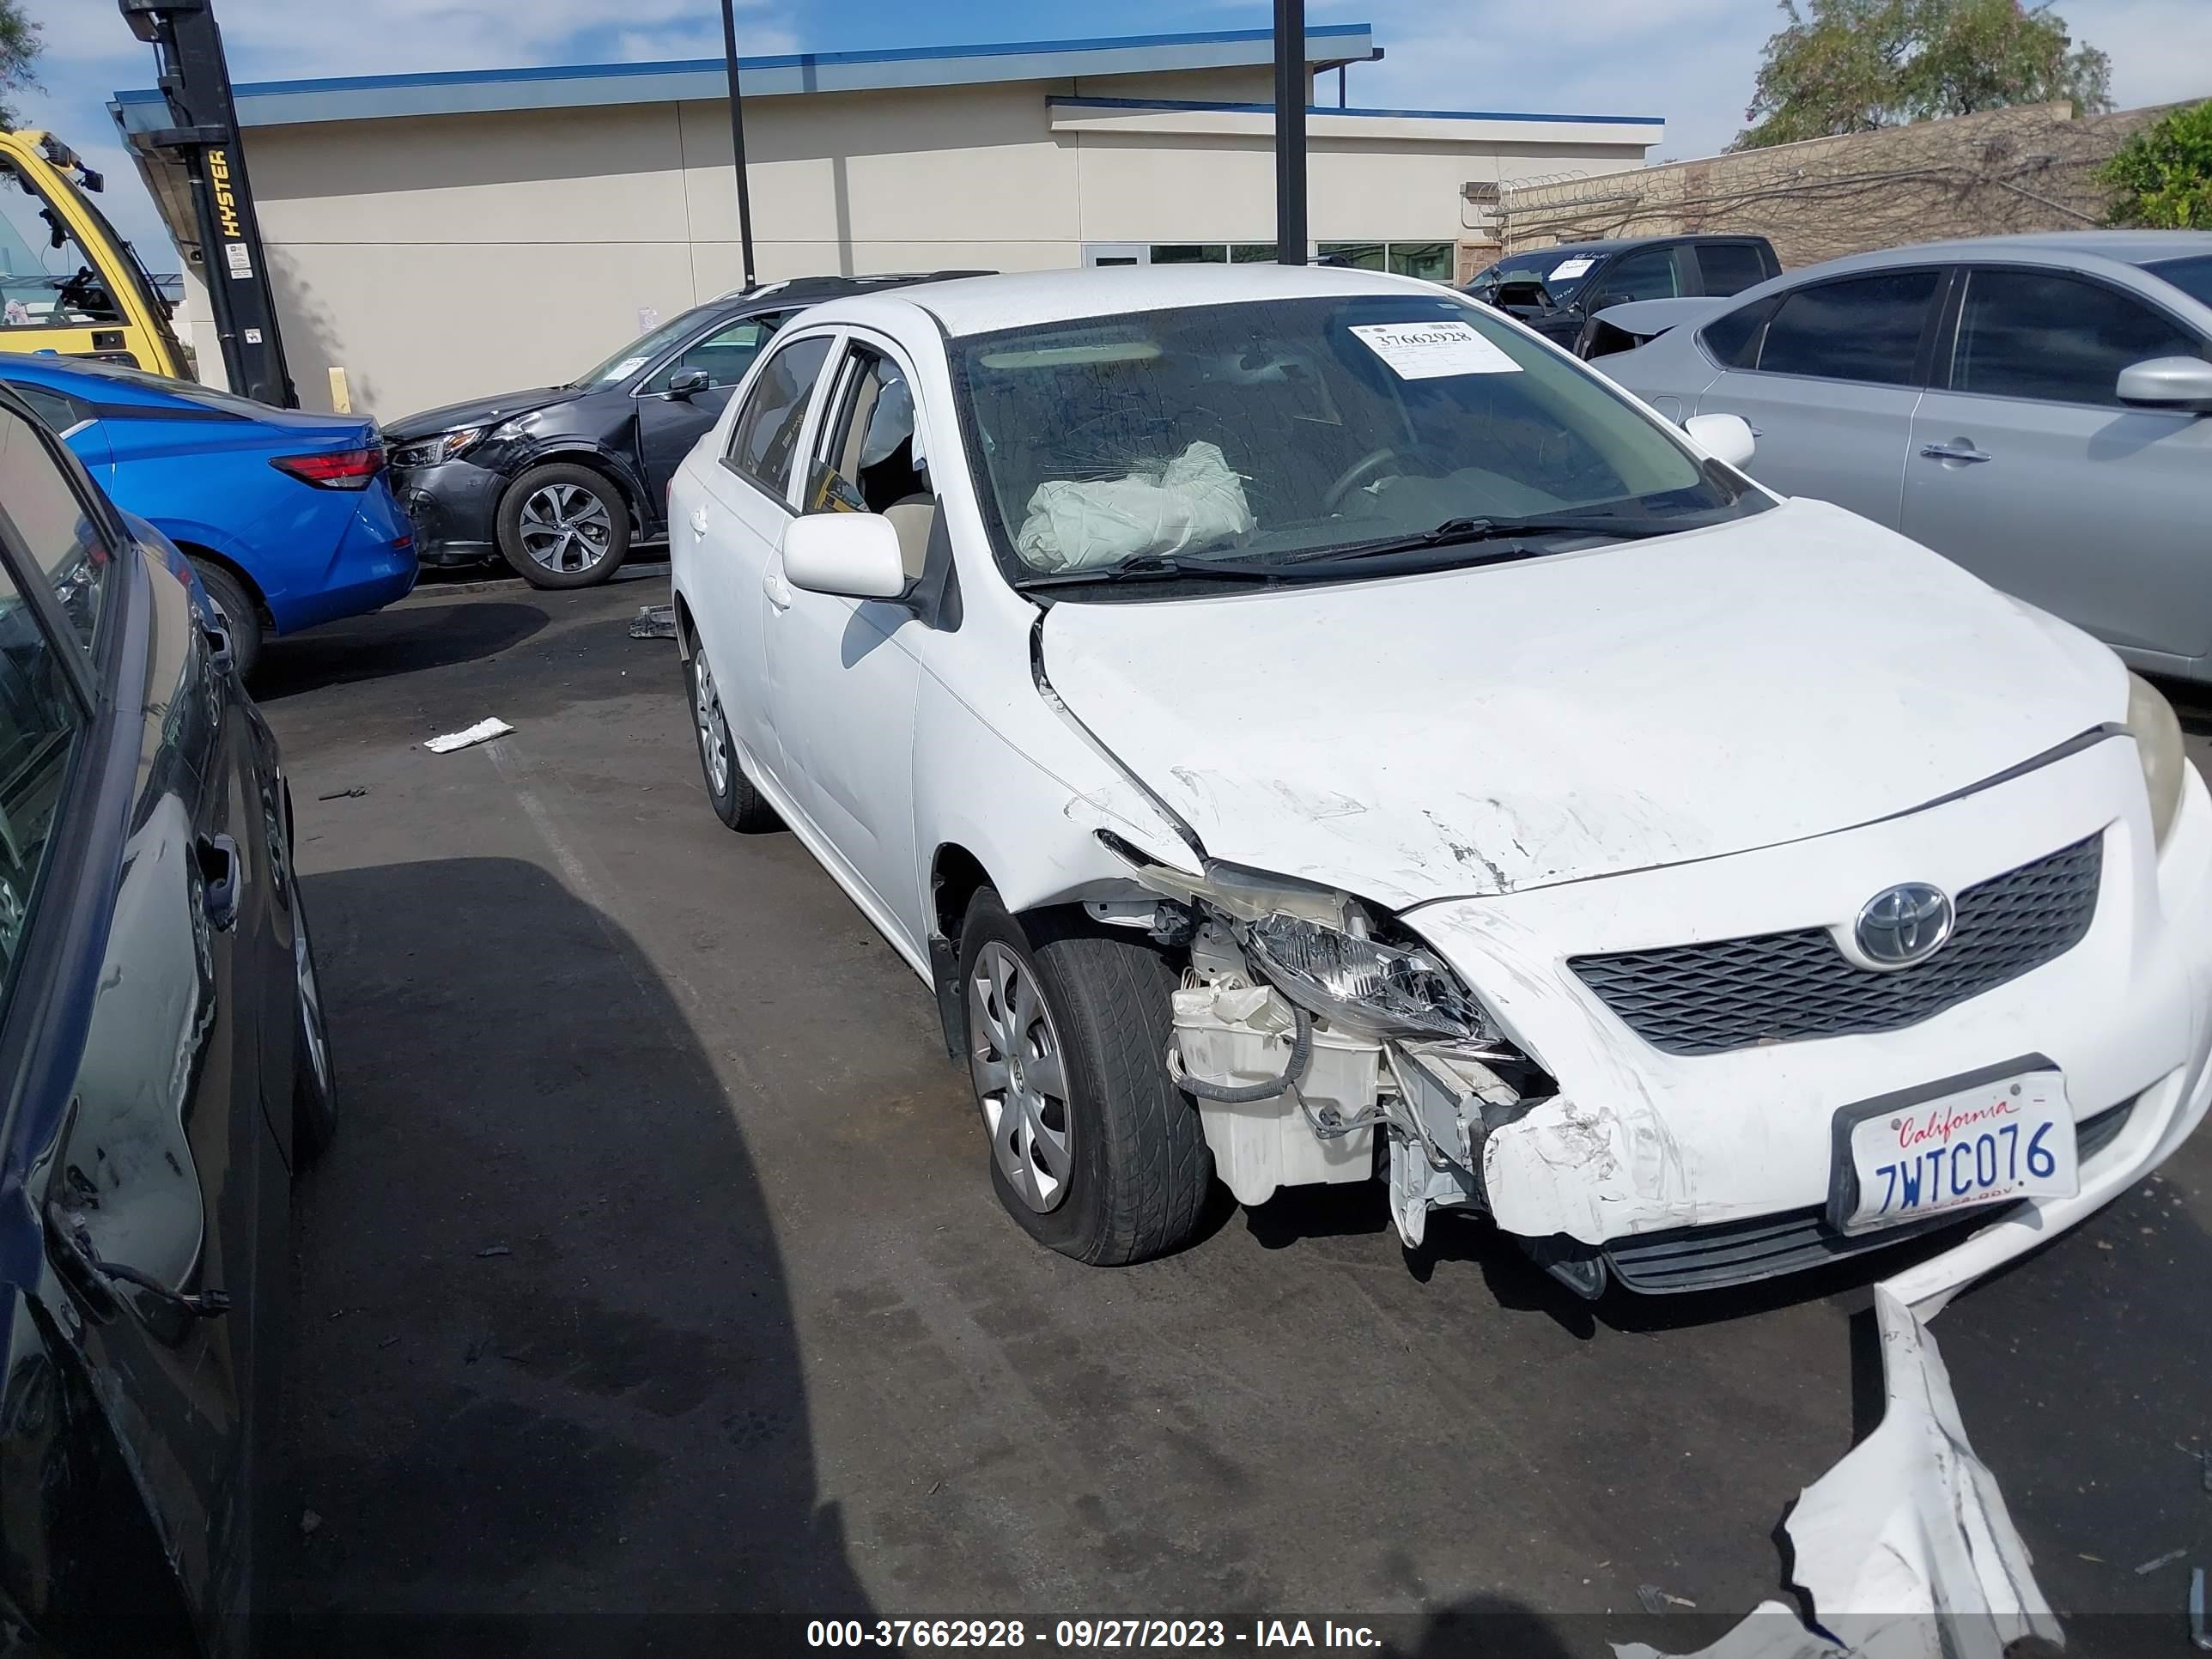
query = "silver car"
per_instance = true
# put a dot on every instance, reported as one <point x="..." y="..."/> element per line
<point x="2037" y="408"/>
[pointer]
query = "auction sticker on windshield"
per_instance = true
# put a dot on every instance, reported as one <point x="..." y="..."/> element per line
<point x="1567" y="270"/>
<point x="2012" y="1137"/>
<point x="1429" y="351"/>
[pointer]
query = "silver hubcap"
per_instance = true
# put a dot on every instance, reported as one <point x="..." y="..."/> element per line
<point x="713" y="731"/>
<point x="311" y="1004"/>
<point x="1021" y="1079"/>
<point x="566" y="528"/>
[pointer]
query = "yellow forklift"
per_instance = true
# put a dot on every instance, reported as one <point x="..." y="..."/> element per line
<point x="68" y="283"/>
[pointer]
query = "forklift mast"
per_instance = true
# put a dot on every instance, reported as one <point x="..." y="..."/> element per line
<point x="195" y="80"/>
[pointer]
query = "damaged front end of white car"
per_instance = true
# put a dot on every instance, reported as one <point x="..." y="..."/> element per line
<point x="1312" y="1031"/>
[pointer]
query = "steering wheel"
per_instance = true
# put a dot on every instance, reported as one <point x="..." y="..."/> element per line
<point x="1358" y="473"/>
<point x="81" y="292"/>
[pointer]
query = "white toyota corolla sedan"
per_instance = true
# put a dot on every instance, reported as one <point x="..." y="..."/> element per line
<point x="1306" y="729"/>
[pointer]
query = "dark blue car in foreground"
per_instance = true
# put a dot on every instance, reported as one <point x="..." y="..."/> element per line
<point x="285" y="514"/>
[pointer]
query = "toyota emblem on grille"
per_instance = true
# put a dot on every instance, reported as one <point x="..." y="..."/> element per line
<point x="1902" y="925"/>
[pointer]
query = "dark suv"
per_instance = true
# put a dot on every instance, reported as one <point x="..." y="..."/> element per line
<point x="1557" y="291"/>
<point x="562" y="481"/>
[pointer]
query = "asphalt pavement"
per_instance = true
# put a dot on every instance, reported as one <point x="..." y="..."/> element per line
<point x="655" y="1276"/>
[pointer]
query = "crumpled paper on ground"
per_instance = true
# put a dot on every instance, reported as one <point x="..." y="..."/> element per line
<point x="482" y="732"/>
<point x="1194" y="500"/>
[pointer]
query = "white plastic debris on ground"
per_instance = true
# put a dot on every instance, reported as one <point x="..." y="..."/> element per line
<point x="1194" y="502"/>
<point x="482" y="732"/>
<point x="1904" y="1548"/>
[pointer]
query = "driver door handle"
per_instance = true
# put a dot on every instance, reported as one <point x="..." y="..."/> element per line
<point x="778" y="590"/>
<point x="1958" y="449"/>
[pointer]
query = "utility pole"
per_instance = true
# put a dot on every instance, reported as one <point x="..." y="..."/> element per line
<point x="195" y="81"/>
<point x="737" y="140"/>
<point x="1291" y="87"/>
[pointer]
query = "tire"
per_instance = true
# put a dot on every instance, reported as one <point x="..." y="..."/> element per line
<point x="239" y="613"/>
<point x="315" y="1084"/>
<point x="563" y="526"/>
<point x="735" y="802"/>
<point x="1135" y="1169"/>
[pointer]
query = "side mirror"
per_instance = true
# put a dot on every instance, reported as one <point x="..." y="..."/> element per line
<point x="1726" y="438"/>
<point x="854" y="554"/>
<point x="2177" y="383"/>
<point x="688" y="382"/>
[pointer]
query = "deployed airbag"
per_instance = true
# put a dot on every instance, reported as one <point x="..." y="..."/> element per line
<point x="1194" y="500"/>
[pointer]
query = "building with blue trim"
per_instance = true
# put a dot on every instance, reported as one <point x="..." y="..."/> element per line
<point x="440" y="235"/>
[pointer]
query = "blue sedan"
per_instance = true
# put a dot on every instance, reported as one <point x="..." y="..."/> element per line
<point x="286" y="515"/>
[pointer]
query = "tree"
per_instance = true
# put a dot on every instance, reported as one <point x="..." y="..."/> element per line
<point x="2163" y="174"/>
<point x="1857" y="65"/>
<point x="20" y="45"/>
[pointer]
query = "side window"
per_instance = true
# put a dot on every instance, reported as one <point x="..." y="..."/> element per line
<point x="57" y="409"/>
<point x="41" y="723"/>
<point x="1646" y="276"/>
<point x="724" y="354"/>
<point x="870" y="459"/>
<point x="49" y="525"/>
<point x="767" y="430"/>
<point x="1730" y="267"/>
<point x="1859" y="328"/>
<point x="1732" y="339"/>
<point x="2054" y="337"/>
<point x="46" y="280"/>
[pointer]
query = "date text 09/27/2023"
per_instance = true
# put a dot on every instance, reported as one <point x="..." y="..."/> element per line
<point x="1090" y="1634"/>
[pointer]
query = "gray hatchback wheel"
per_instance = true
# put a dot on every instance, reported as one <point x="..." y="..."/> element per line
<point x="566" y="528"/>
<point x="564" y="525"/>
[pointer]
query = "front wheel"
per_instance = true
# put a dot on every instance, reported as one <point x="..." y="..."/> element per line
<point x="563" y="526"/>
<point x="1094" y="1150"/>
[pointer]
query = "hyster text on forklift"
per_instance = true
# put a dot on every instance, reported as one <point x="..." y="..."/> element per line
<point x="68" y="283"/>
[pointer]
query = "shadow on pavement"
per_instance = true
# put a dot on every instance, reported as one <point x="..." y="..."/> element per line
<point x="545" y="1396"/>
<point x="391" y="642"/>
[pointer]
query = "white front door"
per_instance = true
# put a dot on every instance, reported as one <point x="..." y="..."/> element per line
<point x="845" y="673"/>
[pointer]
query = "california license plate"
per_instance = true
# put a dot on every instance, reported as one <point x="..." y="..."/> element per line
<point x="2009" y="1137"/>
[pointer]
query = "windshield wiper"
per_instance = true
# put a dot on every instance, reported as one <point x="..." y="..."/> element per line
<point x="1455" y="533"/>
<point x="1154" y="567"/>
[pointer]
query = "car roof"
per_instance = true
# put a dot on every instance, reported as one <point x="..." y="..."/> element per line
<point x="1620" y="244"/>
<point x="982" y="305"/>
<point x="812" y="290"/>
<point x="2063" y="247"/>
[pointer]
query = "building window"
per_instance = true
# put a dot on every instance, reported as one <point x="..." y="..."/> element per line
<point x="1430" y="259"/>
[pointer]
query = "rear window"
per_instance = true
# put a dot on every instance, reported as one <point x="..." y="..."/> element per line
<point x="2192" y="276"/>
<point x="1730" y="267"/>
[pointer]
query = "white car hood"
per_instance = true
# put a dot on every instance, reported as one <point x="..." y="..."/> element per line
<point x="1486" y="730"/>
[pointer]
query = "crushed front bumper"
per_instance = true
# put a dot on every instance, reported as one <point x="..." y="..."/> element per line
<point x="454" y="507"/>
<point x="1729" y="1156"/>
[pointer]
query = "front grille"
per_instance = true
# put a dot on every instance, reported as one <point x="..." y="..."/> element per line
<point x="1738" y="1251"/>
<point x="1778" y="988"/>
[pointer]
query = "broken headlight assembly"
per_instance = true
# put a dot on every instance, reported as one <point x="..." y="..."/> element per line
<point x="1364" y="983"/>
<point x="444" y="446"/>
<point x="1321" y="949"/>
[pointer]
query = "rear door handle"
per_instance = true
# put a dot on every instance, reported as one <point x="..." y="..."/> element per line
<point x="1958" y="449"/>
<point x="699" y="522"/>
<point x="220" y="876"/>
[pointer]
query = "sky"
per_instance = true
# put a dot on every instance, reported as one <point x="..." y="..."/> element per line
<point x="1690" y="61"/>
